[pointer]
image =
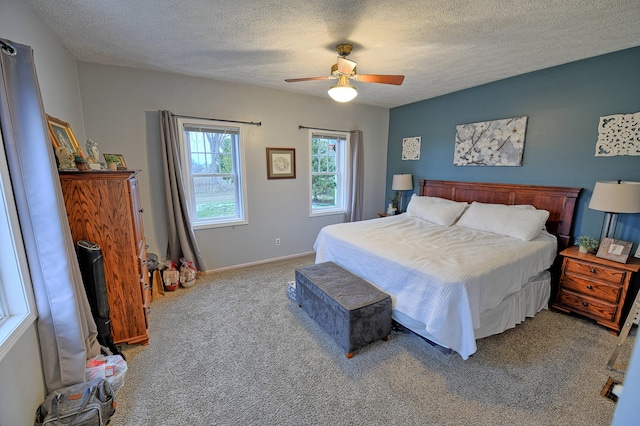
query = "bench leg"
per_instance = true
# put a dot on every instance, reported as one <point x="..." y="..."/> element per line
<point x="349" y="355"/>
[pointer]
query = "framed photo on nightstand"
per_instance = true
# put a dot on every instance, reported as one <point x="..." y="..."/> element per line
<point x="616" y="250"/>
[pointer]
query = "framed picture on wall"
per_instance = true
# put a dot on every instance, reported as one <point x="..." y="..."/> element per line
<point x="281" y="163"/>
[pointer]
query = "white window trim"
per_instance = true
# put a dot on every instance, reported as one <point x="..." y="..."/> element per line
<point x="185" y="160"/>
<point x="15" y="282"/>
<point x="344" y="169"/>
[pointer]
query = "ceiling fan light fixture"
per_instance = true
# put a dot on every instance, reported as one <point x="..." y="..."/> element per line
<point x="342" y="92"/>
<point x="344" y="70"/>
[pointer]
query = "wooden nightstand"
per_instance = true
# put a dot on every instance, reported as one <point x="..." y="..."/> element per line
<point x="597" y="288"/>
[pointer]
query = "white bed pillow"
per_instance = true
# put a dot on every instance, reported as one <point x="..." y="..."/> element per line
<point x="435" y="210"/>
<point x="517" y="222"/>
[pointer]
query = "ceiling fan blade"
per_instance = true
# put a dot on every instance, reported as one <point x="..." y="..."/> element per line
<point x="378" y="78"/>
<point x="295" y="80"/>
<point x="345" y="66"/>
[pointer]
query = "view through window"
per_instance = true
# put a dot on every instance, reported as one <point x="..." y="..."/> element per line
<point x="213" y="165"/>
<point x="328" y="167"/>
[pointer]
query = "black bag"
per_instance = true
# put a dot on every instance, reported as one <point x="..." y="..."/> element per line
<point x="89" y="403"/>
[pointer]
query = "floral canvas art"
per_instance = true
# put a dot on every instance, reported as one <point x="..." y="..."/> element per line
<point x="618" y="134"/>
<point x="490" y="143"/>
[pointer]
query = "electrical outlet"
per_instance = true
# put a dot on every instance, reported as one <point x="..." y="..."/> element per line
<point x="277" y="241"/>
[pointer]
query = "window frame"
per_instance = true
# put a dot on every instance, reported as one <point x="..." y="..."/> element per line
<point x="239" y="159"/>
<point x="16" y="290"/>
<point x="342" y="170"/>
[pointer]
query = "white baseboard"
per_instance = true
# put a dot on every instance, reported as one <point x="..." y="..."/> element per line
<point x="259" y="262"/>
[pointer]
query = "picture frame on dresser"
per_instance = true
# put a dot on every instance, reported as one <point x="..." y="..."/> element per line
<point x="118" y="159"/>
<point x="61" y="134"/>
<point x="616" y="250"/>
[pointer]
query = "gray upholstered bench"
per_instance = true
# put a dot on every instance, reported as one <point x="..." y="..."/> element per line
<point x="352" y="311"/>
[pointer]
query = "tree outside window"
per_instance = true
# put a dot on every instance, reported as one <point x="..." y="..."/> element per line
<point x="214" y="176"/>
<point x="327" y="172"/>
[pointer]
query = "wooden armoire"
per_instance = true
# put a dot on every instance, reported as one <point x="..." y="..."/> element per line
<point x="104" y="207"/>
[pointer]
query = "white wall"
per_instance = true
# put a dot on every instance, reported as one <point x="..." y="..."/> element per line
<point x="56" y="68"/>
<point x="120" y="110"/>
<point x="121" y="116"/>
<point x="22" y="386"/>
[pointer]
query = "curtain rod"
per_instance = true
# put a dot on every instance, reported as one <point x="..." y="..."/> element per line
<point x="253" y="123"/>
<point x="319" y="128"/>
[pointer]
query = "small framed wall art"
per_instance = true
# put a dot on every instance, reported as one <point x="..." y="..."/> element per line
<point x="618" y="134"/>
<point x="411" y="148"/>
<point x="281" y="163"/>
<point x="616" y="250"/>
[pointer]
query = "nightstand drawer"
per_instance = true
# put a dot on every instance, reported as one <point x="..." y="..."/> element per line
<point x="595" y="289"/>
<point x="588" y="306"/>
<point x="596" y="272"/>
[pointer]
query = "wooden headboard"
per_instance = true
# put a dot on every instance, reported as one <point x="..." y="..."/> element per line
<point x="558" y="201"/>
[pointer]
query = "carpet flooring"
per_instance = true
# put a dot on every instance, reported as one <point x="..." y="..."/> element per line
<point x="233" y="350"/>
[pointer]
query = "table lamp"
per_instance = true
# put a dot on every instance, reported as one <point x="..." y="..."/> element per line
<point x="614" y="197"/>
<point x="403" y="182"/>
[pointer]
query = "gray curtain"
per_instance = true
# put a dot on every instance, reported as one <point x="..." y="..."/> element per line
<point x="355" y="183"/>
<point x="182" y="239"/>
<point x="66" y="329"/>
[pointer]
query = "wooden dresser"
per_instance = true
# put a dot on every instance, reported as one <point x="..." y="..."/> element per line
<point x="597" y="288"/>
<point x="104" y="207"/>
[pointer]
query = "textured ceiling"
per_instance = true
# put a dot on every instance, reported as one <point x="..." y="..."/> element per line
<point x="441" y="46"/>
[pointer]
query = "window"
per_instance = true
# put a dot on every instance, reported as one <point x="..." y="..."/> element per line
<point x="3" y="304"/>
<point x="17" y="308"/>
<point x="328" y="172"/>
<point x="213" y="171"/>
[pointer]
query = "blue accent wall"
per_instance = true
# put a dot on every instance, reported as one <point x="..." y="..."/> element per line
<point x="563" y="105"/>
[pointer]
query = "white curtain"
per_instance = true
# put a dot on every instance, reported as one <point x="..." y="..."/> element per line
<point x="182" y="239"/>
<point x="355" y="182"/>
<point x="66" y="329"/>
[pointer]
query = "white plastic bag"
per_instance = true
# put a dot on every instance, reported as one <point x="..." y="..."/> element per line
<point x="170" y="275"/>
<point x="113" y="368"/>
<point x="187" y="273"/>
<point x="171" y="279"/>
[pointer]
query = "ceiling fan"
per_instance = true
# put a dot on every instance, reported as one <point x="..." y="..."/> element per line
<point x="345" y="70"/>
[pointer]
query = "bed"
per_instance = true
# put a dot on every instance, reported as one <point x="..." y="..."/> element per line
<point x="466" y="261"/>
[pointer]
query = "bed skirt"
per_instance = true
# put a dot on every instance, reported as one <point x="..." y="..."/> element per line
<point x="514" y="309"/>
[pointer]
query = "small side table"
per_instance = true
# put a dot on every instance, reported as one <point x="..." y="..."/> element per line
<point x="597" y="288"/>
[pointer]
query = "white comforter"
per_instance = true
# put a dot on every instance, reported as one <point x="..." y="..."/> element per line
<point x="442" y="277"/>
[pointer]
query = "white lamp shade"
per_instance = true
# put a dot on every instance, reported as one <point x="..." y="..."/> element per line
<point x="342" y="93"/>
<point x="402" y="182"/>
<point x="616" y="197"/>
